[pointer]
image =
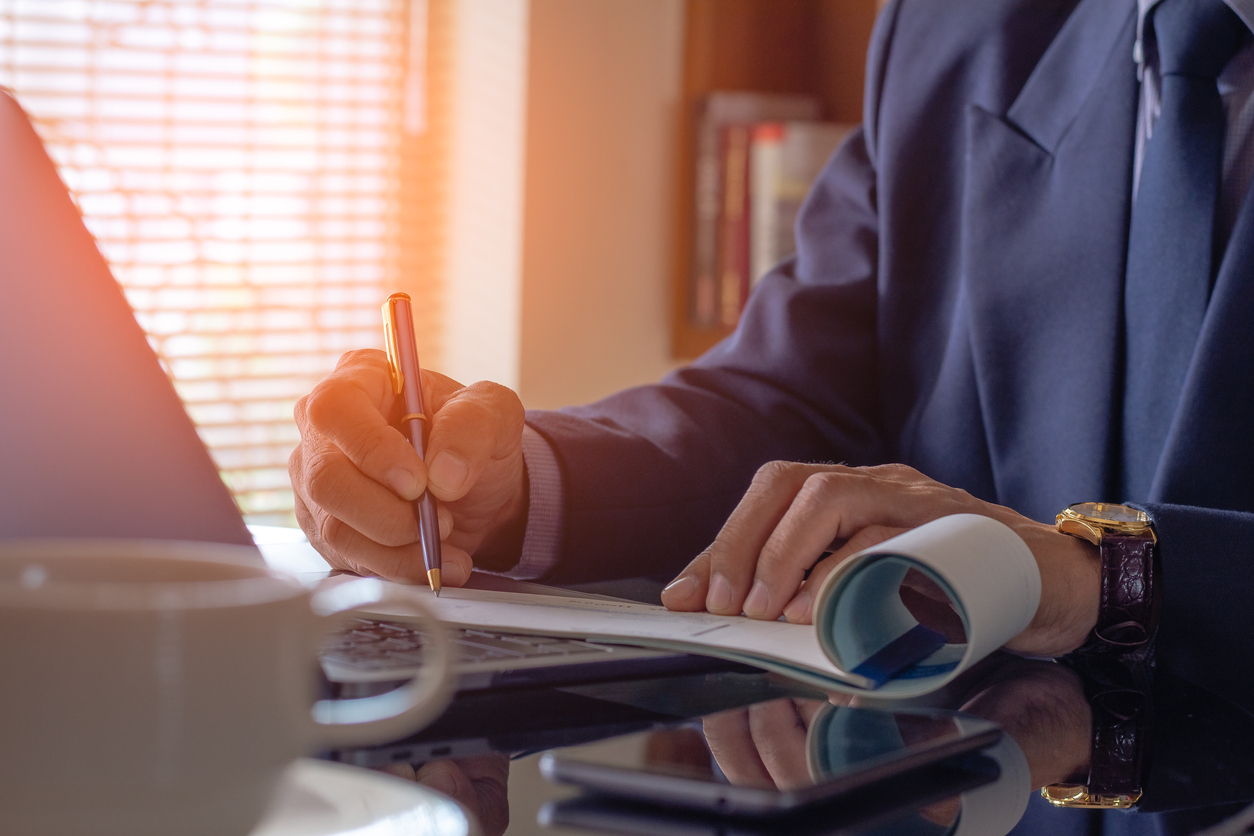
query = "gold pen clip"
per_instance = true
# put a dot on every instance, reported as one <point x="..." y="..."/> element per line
<point x="392" y="340"/>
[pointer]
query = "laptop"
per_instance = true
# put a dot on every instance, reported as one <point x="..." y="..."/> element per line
<point x="94" y="441"/>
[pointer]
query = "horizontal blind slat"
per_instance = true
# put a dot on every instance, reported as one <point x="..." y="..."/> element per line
<point x="237" y="161"/>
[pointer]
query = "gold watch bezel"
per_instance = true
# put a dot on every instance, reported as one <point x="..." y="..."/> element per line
<point x="1092" y="529"/>
<point x="1078" y="796"/>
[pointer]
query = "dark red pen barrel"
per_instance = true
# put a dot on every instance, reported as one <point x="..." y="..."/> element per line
<point x="428" y="530"/>
<point x="415" y="428"/>
<point x="415" y="431"/>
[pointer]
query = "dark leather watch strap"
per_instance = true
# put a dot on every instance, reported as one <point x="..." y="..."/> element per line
<point x="1119" y="690"/>
<point x="1121" y="738"/>
<point x="1130" y="598"/>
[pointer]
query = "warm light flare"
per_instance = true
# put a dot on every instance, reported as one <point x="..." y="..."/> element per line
<point x="238" y="162"/>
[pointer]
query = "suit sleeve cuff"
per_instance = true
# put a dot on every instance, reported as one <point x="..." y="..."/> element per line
<point x="545" y="514"/>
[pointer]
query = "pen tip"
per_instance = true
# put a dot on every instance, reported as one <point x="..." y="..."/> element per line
<point x="433" y="578"/>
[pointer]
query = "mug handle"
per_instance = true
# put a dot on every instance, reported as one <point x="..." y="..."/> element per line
<point x="365" y="721"/>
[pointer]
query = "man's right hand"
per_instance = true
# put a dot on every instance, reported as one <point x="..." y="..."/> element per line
<point x="355" y="475"/>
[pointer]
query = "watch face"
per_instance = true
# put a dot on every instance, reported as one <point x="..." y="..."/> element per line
<point x="1110" y="513"/>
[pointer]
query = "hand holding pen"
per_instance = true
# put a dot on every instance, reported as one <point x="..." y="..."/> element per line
<point x="356" y="475"/>
<point x="398" y="328"/>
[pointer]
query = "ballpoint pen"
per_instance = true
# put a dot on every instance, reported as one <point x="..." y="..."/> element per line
<point x="398" y="331"/>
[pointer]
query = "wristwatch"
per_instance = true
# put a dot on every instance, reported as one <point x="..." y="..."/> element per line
<point x="1130" y="596"/>
<point x="1119" y="692"/>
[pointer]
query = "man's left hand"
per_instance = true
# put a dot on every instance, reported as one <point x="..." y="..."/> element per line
<point x="792" y="513"/>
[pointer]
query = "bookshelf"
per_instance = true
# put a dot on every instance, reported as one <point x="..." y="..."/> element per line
<point x="773" y="46"/>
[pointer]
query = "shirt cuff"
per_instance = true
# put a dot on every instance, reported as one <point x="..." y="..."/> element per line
<point x="545" y="514"/>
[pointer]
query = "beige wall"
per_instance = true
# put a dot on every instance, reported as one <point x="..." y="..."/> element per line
<point x="482" y="301"/>
<point x="603" y="90"/>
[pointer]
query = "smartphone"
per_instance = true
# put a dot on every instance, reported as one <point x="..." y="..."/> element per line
<point x="770" y="759"/>
<point x="927" y="802"/>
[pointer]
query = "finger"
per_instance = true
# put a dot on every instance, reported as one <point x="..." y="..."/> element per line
<point x="489" y="775"/>
<point x="687" y="592"/>
<point x="757" y="567"/>
<point x="732" y="746"/>
<point x="492" y="768"/>
<point x="472" y="427"/>
<point x="456" y="563"/>
<point x="344" y="546"/>
<point x="445" y="777"/>
<point x="309" y="525"/>
<point x="478" y="783"/>
<point x="800" y="609"/>
<point x="831" y="505"/>
<point x="349" y="410"/>
<point x="838" y="503"/>
<point x="330" y="483"/>
<point x="295" y="464"/>
<point x="780" y="736"/>
<point x="735" y="551"/>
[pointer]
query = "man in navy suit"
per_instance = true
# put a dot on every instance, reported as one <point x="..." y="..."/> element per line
<point x="968" y="299"/>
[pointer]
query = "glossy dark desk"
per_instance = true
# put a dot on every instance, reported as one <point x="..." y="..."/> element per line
<point x="1200" y="769"/>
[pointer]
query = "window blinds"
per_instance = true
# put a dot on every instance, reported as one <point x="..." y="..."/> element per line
<point x="237" y="160"/>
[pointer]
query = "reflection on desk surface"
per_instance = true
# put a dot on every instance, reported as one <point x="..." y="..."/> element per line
<point x="776" y="757"/>
<point x="1197" y="769"/>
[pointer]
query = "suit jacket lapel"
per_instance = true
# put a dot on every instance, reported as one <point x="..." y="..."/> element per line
<point x="1045" y="206"/>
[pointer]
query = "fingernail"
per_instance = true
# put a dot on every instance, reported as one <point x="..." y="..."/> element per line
<point x="720" y="595"/>
<point x="758" y="601"/>
<point x="448" y="473"/>
<point x="681" y="588"/>
<point x="798" y="608"/>
<point x="404" y="482"/>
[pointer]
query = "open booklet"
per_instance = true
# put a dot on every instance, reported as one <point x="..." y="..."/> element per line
<point x="986" y="570"/>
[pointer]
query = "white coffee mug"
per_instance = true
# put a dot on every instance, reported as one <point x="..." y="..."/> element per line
<point x="162" y="687"/>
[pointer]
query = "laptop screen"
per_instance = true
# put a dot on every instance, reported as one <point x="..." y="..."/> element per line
<point x="93" y="438"/>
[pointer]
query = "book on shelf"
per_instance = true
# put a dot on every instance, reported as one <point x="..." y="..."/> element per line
<point x="863" y="639"/>
<point x="785" y="158"/>
<point x="733" y="232"/>
<point x="715" y="112"/>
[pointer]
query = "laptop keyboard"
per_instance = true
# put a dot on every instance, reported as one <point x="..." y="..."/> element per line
<point x="373" y="646"/>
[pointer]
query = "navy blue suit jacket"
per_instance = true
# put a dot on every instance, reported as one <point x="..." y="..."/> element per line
<point x="956" y="305"/>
